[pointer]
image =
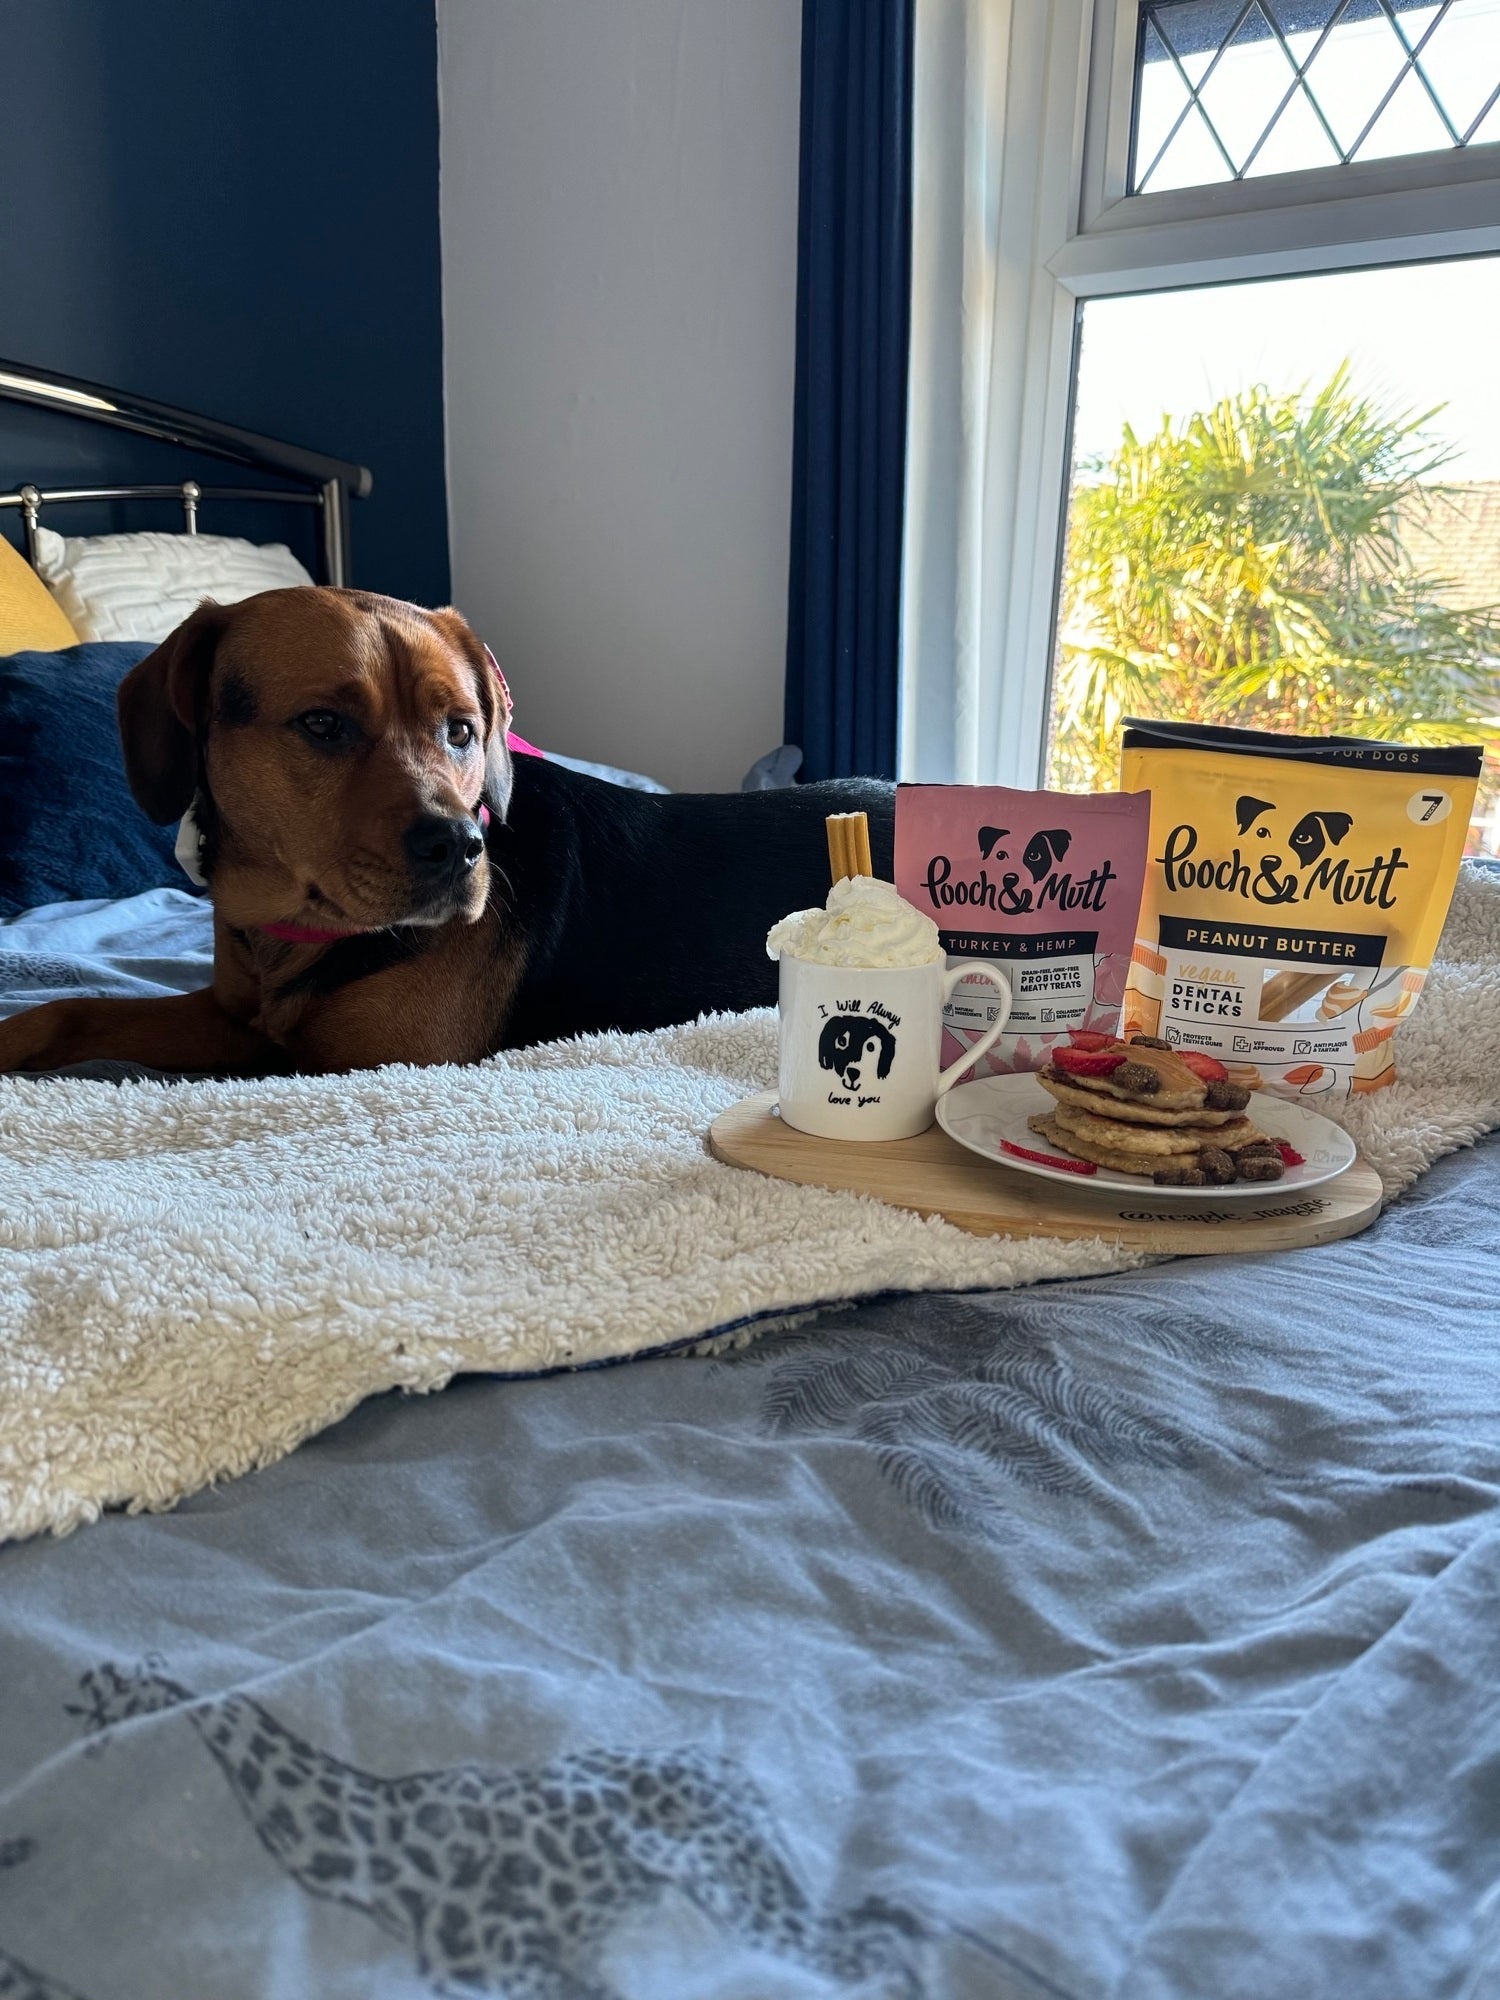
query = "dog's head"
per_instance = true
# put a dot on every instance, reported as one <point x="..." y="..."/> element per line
<point x="339" y="745"/>
<point x="1308" y="839"/>
<point x="855" y="1047"/>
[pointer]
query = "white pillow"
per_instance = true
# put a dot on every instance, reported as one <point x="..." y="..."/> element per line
<point x="143" y="586"/>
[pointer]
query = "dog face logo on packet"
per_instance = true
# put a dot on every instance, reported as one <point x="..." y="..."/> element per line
<point x="1047" y="883"/>
<point x="1294" y="897"/>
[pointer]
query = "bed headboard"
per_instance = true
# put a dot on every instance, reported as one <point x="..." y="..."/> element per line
<point x="306" y="478"/>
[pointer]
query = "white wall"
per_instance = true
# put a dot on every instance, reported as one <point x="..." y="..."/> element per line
<point x="619" y="212"/>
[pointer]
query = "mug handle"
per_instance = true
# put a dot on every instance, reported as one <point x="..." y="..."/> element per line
<point x="974" y="968"/>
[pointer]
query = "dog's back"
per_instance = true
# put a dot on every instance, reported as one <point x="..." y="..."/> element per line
<point x="639" y="909"/>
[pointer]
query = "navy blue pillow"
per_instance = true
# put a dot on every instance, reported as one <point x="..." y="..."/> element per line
<point x="68" y="825"/>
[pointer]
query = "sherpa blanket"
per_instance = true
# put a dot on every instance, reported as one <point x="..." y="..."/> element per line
<point x="194" y="1278"/>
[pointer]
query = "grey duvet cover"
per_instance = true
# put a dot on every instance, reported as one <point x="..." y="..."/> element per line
<point x="1137" y="1638"/>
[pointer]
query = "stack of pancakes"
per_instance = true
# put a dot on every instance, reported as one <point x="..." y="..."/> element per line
<point x="1152" y="1114"/>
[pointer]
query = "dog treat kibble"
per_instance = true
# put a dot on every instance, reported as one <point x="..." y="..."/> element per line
<point x="1135" y="1077"/>
<point x="1295" y="890"/>
<point x="1148" y="1042"/>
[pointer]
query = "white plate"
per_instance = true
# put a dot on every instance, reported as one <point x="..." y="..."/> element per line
<point x="982" y="1114"/>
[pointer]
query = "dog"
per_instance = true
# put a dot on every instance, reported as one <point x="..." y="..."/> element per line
<point x="860" y="1052"/>
<point x="391" y="884"/>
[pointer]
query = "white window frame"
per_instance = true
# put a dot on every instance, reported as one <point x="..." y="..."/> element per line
<point x="1063" y="189"/>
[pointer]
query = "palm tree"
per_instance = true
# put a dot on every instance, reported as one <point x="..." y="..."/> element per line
<point x="1246" y="565"/>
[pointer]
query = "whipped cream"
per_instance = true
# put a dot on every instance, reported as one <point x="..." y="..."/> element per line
<point x="864" y="923"/>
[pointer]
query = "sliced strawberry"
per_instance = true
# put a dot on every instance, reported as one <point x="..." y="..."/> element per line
<point x="1087" y="1038"/>
<point x="1049" y="1159"/>
<point x="1087" y="1062"/>
<point x="1205" y="1068"/>
<point x="1290" y="1157"/>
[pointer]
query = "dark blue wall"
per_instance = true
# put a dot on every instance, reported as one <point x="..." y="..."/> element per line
<point x="232" y="205"/>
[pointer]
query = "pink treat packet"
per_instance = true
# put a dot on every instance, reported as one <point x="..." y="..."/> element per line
<point x="1046" y="884"/>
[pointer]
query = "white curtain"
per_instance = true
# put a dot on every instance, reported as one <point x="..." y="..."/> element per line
<point x="994" y="190"/>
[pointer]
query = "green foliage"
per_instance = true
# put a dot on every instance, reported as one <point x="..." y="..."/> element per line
<point x="1247" y="566"/>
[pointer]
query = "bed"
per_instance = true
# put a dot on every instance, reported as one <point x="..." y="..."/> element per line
<point x="1132" y="1638"/>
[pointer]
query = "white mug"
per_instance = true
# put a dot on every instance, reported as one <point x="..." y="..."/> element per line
<point x="860" y="1044"/>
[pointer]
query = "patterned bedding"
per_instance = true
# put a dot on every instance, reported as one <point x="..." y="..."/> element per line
<point x="1133" y="1638"/>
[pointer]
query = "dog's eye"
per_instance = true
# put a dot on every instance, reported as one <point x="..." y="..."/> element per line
<point x="322" y="725"/>
<point x="460" y="735"/>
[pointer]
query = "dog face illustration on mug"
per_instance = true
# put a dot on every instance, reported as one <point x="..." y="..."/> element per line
<point x="859" y="1050"/>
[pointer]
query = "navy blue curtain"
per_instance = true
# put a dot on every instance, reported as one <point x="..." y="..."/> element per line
<point x="849" y="441"/>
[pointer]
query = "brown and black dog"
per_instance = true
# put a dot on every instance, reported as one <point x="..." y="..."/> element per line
<point x="390" y="885"/>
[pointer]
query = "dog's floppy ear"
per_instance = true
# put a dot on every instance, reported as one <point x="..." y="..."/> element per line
<point x="1336" y="825"/>
<point x="161" y="704"/>
<point x="1248" y="809"/>
<point x="1045" y="849"/>
<point x="494" y="703"/>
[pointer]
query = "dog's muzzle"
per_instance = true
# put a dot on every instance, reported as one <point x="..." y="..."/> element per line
<point x="441" y="851"/>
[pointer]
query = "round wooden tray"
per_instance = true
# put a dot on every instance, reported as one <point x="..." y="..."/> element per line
<point x="934" y="1175"/>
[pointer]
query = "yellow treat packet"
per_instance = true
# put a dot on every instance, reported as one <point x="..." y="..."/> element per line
<point x="1295" y="891"/>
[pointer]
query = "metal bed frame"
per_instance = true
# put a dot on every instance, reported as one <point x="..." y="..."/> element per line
<point x="318" y="481"/>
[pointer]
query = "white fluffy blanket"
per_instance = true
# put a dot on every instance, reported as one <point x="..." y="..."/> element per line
<point x="193" y="1279"/>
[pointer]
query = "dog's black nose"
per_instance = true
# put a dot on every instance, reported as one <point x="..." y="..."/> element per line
<point x="441" y="849"/>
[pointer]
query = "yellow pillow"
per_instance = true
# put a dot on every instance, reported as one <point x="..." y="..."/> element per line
<point x="31" y="619"/>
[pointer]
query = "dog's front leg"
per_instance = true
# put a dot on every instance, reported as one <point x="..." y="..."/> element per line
<point x="184" y="1031"/>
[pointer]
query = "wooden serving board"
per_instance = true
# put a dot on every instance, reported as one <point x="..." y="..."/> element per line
<point x="934" y="1175"/>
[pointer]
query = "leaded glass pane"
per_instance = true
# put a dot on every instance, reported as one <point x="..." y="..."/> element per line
<point x="1230" y="89"/>
<point x="1355" y="73"/>
<point x="1246" y="89"/>
<point x="1410" y="123"/>
<point x="1299" y="138"/>
<point x="1463" y="85"/>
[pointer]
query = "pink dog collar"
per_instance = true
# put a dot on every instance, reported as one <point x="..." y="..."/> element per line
<point x="304" y="934"/>
<point x="512" y="741"/>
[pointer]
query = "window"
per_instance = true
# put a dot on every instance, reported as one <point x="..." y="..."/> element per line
<point x="1224" y="196"/>
<point x="1232" y="88"/>
<point x="1284" y="512"/>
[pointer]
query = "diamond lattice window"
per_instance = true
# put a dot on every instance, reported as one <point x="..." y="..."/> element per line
<point x="1229" y="89"/>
